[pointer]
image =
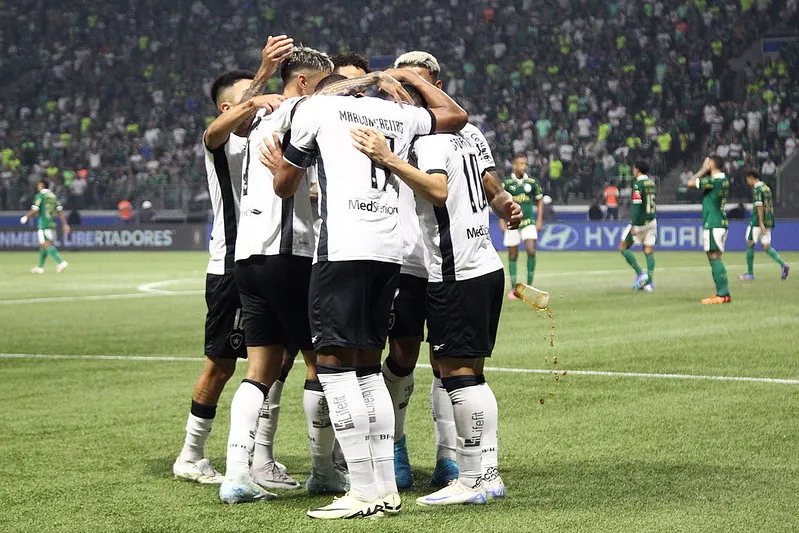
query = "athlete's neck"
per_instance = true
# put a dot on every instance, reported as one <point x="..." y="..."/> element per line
<point x="292" y="90"/>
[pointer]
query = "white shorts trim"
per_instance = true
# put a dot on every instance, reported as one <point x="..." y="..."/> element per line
<point x="46" y="235"/>
<point x="644" y="235"/>
<point x="514" y="237"/>
<point x="719" y="237"/>
<point x="754" y="234"/>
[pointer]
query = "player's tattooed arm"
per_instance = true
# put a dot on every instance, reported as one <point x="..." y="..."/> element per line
<point x="501" y="201"/>
<point x="431" y="186"/>
<point x="353" y="86"/>
<point x="449" y="116"/>
<point x="276" y="50"/>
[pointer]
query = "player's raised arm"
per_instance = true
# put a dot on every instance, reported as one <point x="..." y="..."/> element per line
<point x="449" y="116"/>
<point x="694" y="181"/>
<point x="276" y="50"/>
<point x="431" y="185"/>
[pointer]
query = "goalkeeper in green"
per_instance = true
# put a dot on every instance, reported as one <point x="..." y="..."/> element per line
<point x="643" y="228"/>
<point x="759" y="230"/>
<point x="46" y="207"/>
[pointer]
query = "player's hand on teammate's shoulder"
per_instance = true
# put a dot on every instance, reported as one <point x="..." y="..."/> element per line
<point x="372" y="143"/>
<point x="276" y="50"/>
<point x="271" y="152"/>
<point x="270" y="102"/>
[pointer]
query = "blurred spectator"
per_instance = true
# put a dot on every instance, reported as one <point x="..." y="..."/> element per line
<point x="125" y="210"/>
<point x="146" y="213"/>
<point x="612" y="200"/>
<point x="74" y="218"/>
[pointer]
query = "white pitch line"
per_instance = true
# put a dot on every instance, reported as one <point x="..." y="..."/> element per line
<point x="146" y="290"/>
<point x="780" y="381"/>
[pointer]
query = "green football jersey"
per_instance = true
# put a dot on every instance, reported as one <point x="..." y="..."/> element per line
<point x="761" y="195"/>
<point x="643" y="194"/>
<point x="525" y="192"/>
<point x="715" y="189"/>
<point x="46" y="206"/>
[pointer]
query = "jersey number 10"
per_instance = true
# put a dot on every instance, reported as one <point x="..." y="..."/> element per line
<point x="477" y="193"/>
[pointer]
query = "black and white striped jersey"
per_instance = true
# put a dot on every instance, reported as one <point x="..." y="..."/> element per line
<point x="223" y="172"/>
<point x="456" y="235"/>
<point x="358" y="200"/>
<point x="270" y="225"/>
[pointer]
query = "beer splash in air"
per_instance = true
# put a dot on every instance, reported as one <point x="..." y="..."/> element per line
<point x="539" y="300"/>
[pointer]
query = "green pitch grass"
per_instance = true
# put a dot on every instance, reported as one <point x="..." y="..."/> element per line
<point x="88" y="444"/>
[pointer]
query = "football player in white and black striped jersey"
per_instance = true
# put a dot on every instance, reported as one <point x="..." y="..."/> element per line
<point x="465" y="289"/>
<point x="357" y="262"/>
<point x="409" y="317"/>
<point x="273" y="255"/>
<point x="224" y="333"/>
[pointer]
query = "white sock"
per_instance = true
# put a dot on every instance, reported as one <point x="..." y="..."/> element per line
<point x="247" y="403"/>
<point x="267" y="426"/>
<point x="320" y="430"/>
<point x="197" y="432"/>
<point x="381" y="430"/>
<point x="444" y="420"/>
<point x="400" y="388"/>
<point x="469" y="421"/>
<point x="490" y="451"/>
<point x="351" y="425"/>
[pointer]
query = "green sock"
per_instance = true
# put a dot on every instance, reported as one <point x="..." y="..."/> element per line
<point x="42" y="257"/>
<point x="720" y="277"/>
<point x="53" y="251"/>
<point x="772" y="253"/>
<point x="650" y="266"/>
<point x="632" y="261"/>
<point x="512" y="270"/>
<point x="530" y="268"/>
<point x="750" y="260"/>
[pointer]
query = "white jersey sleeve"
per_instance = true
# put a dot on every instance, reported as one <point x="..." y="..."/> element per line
<point x="456" y="234"/>
<point x="223" y="168"/>
<point x="485" y="161"/>
<point x="358" y="200"/>
<point x="270" y="225"/>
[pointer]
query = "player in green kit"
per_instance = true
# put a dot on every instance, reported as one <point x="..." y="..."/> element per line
<point x="643" y="227"/>
<point x="715" y="187"/>
<point x="524" y="190"/>
<point x="46" y="206"/>
<point x="759" y="230"/>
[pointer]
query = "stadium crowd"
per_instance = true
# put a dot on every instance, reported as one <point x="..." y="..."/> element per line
<point x="109" y="99"/>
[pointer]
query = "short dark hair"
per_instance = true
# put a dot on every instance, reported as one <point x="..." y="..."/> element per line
<point x="327" y="80"/>
<point x="718" y="162"/>
<point x="753" y="174"/>
<point x="45" y="182"/>
<point x="642" y="166"/>
<point x="518" y="155"/>
<point x="227" y="80"/>
<point x="351" y="59"/>
<point x="413" y="92"/>
<point x="612" y="183"/>
<point x="304" y="58"/>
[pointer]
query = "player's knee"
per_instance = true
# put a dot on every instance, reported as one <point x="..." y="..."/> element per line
<point x="220" y="370"/>
<point x="751" y="244"/>
<point x="765" y="247"/>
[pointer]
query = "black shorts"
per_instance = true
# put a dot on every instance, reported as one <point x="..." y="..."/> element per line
<point x="224" y="329"/>
<point x="409" y="309"/>
<point x="274" y="298"/>
<point x="351" y="303"/>
<point x="463" y="316"/>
